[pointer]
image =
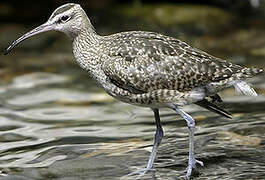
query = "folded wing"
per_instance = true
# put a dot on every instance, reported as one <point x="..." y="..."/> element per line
<point x="142" y="62"/>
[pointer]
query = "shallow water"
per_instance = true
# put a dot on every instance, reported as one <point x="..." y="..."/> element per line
<point x="57" y="124"/>
<point x="60" y="125"/>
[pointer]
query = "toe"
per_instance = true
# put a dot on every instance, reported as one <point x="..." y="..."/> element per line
<point x="192" y="166"/>
<point x="141" y="172"/>
<point x="188" y="174"/>
<point x="199" y="162"/>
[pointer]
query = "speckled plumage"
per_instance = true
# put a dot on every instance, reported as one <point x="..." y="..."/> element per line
<point x="142" y="62"/>
<point x="149" y="69"/>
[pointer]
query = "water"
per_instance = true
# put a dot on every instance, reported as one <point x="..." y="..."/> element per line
<point x="57" y="124"/>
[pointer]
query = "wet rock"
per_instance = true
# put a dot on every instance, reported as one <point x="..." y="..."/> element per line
<point x="231" y="137"/>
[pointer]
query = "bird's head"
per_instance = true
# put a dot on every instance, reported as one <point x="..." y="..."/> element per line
<point x="70" y="19"/>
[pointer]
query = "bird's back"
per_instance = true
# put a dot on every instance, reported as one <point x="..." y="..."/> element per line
<point x="145" y="61"/>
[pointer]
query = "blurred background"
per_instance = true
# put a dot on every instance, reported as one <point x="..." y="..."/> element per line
<point x="56" y="123"/>
<point x="231" y="30"/>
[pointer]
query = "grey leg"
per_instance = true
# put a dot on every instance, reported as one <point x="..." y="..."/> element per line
<point x="191" y="125"/>
<point x="158" y="138"/>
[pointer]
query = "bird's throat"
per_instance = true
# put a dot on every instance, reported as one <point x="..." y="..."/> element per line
<point x="86" y="49"/>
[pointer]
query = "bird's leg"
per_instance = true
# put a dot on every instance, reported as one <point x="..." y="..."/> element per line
<point x="191" y="125"/>
<point x="158" y="138"/>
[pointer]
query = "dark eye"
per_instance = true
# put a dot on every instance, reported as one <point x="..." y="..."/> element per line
<point x="65" y="18"/>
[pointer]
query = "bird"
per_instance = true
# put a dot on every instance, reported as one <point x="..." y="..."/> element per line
<point x="149" y="69"/>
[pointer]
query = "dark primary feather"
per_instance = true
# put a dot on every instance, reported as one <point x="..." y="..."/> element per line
<point x="212" y="107"/>
<point x="208" y="103"/>
<point x="146" y="61"/>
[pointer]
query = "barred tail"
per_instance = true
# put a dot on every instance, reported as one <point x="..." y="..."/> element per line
<point x="250" y="72"/>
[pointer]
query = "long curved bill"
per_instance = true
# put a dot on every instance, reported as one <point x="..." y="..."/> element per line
<point x="42" y="28"/>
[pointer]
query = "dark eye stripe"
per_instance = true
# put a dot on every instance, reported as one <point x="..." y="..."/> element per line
<point x="65" y="18"/>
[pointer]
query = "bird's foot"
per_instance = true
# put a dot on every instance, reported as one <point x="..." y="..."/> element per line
<point x="191" y="166"/>
<point x="141" y="172"/>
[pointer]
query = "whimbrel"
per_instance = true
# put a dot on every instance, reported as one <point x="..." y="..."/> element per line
<point x="148" y="69"/>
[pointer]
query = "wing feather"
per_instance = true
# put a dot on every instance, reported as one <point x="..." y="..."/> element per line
<point x="142" y="62"/>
